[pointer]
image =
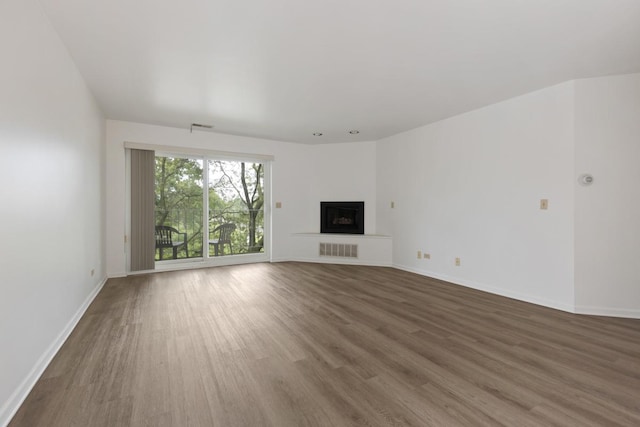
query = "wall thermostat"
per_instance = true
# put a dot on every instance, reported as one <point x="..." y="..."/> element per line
<point x="586" y="179"/>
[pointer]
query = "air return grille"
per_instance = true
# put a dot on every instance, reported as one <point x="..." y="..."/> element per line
<point x="339" y="250"/>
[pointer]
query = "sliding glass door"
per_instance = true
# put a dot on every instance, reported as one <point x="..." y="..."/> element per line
<point x="227" y="220"/>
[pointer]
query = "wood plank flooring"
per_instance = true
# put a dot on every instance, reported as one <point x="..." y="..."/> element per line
<point x="294" y="344"/>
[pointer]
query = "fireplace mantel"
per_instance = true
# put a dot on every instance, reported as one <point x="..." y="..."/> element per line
<point x="343" y="236"/>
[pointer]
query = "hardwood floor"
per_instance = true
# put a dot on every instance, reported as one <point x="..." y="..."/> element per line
<point x="296" y="344"/>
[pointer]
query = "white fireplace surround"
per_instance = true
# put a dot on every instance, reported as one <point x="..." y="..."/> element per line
<point x="373" y="249"/>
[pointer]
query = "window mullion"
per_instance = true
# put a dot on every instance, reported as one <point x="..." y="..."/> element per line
<point x="205" y="210"/>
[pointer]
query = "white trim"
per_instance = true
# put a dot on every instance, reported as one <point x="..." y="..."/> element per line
<point x="117" y="275"/>
<point x="342" y="235"/>
<point x="126" y="239"/>
<point x="218" y="155"/>
<point x="11" y="406"/>
<point x="608" y="311"/>
<point x="197" y="263"/>
<point x="206" y="209"/>
<point x="490" y="289"/>
<point x="337" y="260"/>
<point x="266" y="210"/>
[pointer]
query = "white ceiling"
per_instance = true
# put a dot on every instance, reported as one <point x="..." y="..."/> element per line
<point x="283" y="69"/>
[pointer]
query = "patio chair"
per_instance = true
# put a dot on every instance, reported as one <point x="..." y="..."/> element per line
<point x="167" y="237"/>
<point x="223" y="232"/>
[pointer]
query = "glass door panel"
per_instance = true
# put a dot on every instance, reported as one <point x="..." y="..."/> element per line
<point x="178" y="208"/>
<point x="236" y="207"/>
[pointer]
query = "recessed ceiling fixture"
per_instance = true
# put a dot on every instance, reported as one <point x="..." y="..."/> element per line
<point x="200" y="126"/>
<point x="354" y="132"/>
<point x="317" y="134"/>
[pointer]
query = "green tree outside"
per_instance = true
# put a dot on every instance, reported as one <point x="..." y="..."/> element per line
<point x="236" y="195"/>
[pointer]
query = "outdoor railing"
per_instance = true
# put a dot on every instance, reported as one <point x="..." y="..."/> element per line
<point x="190" y="221"/>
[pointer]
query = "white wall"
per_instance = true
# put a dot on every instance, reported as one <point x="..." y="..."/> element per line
<point x="51" y="201"/>
<point x="470" y="187"/>
<point x="302" y="175"/>
<point x="343" y="172"/>
<point x="607" y="214"/>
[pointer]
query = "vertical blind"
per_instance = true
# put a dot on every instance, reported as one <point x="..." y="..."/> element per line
<point x="143" y="244"/>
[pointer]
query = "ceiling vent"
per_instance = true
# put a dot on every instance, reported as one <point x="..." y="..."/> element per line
<point x="200" y="126"/>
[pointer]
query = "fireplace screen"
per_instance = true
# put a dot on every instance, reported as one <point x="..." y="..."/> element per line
<point x="342" y="217"/>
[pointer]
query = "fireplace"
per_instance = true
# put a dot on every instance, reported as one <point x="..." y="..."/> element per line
<point x="342" y="217"/>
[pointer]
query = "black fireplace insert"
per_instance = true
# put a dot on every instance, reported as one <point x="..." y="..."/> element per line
<point x="342" y="217"/>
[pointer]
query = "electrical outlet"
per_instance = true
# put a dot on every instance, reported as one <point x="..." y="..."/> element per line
<point x="393" y="205"/>
<point x="457" y="262"/>
<point x="426" y="255"/>
<point x="419" y="254"/>
<point x="544" y="204"/>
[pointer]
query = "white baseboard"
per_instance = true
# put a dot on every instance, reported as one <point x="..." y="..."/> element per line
<point x="12" y="405"/>
<point x="195" y="264"/>
<point x="116" y="275"/>
<point x="280" y="259"/>
<point x="492" y="290"/>
<point x="608" y="311"/>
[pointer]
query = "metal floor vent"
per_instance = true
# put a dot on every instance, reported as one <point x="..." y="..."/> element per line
<point x="339" y="250"/>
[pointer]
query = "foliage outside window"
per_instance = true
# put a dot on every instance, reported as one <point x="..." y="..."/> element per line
<point x="235" y="193"/>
